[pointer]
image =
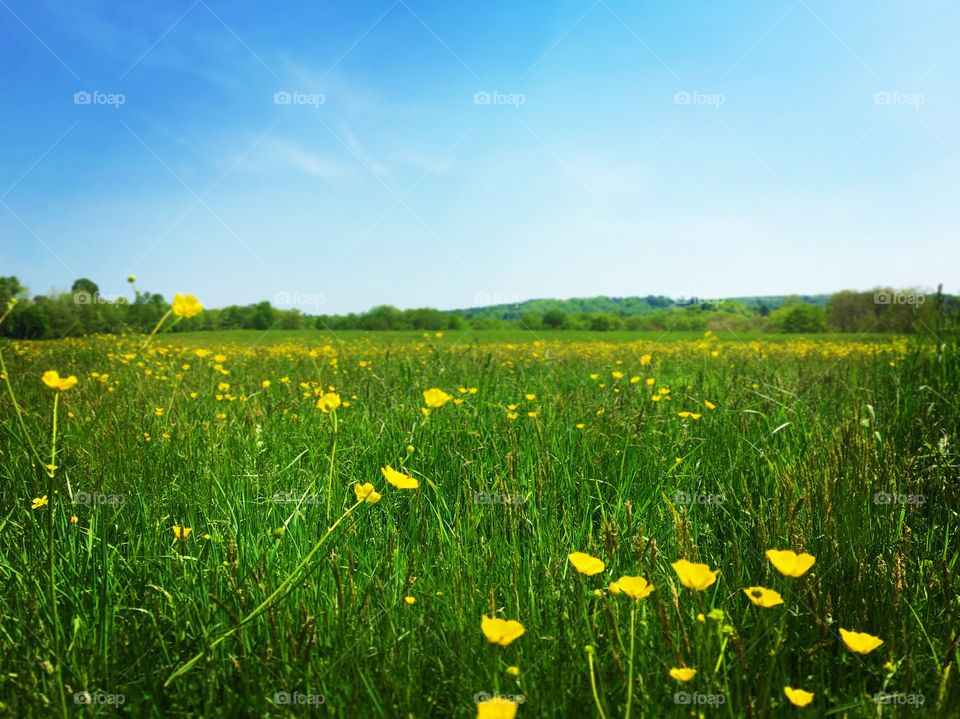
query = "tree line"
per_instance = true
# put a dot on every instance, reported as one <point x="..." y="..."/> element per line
<point x="84" y="310"/>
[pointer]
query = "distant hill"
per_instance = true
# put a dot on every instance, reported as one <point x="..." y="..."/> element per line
<point x="626" y="306"/>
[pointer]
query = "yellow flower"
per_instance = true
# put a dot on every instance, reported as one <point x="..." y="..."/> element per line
<point x="512" y="415"/>
<point x="366" y="493"/>
<point x="683" y="674"/>
<point x="74" y="519"/>
<point x="635" y="587"/>
<point x="761" y="597"/>
<point x="645" y="360"/>
<point x="789" y="563"/>
<point x="694" y="575"/>
<point x="328" y="402"/>
<point x="798" y="697"/>
<point x="497" y="708"/>
<point x="585" y="564"/>
<point x="634" y="380"/>
<point x="399" y="479"/>
<point x="39" y="502"/>
<point x="580" y="425"/>
<point x="181" y="533"/>
<point x="186" y="306"/>
<point x="131" y="279"/>
<point x="617" y="374"/>
<point x="158" y="411"/>
<point x="410" y="600"/>
<point x="530" y="397"/>
<point x="53" y="380"/>
<point x="435" y="398"/>
<point x="501" y="631"/>
<point x="265" y="384"/>
<point x="708" y="404"/>
<point x="650" y="381"/>
<point x="860" y="642"/>
<point x="513" y="671"/>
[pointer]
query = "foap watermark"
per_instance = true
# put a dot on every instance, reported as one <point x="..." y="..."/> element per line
<point x="86" y="97"/>
<point x="498" y="498"/>
<point x="697" y="97"/>
<point x="95" y="498"/>
<point x="82" y="297"/>
<point x="290" y="698"/>
<point x="885" y="697"/>
<point x="689" y="301"/>
<point x="495" y="97"/>
<point x="295" y="97"/>
<point x="895" y="97"/>
<point x="298" y="299"/>
<point x="296" y="498"/>
<point x="95" y="697"/>
<point x="915" y="500"/>
<point x="687" y="498"/>
<point x="498" y="698"/>
<point x="699" y="699"/>
<point x="483" y="298"/>
<point x="883" y="297"/>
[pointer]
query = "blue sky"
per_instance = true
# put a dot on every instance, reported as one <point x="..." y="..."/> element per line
<point x="454" y="154"/>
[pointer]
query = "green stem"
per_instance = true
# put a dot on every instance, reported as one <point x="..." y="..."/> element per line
<point x="333" y="454"/>
<point x="274" y="597"/>
<point x="633" y="618"/>
<point x="51" y="565"/>
<point x="593" y="683"/>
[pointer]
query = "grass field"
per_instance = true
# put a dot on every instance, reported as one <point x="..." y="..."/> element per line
<point x="289" y="597"/>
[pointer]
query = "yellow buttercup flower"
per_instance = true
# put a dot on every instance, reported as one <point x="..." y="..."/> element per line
<point x="501" y="631"/>
<point x="798" y="697"/>
<point x="39" y="502"/>
<point x="763" y="597"/>
<point x="513" y="671"/>
<point x="328" y="402"/>
<point x="399" y="479"/>
<point x="435" y="398"/>
<point x="366" y="493"/>
<point x="186" y="306"/>
<point x="789" y="563"/>
<point x="53" y="380"/>
<point x="497" y="708"/>
<point x="635" y="587"/>
<point x="683" y="674"/>
<point x="694" y="575"/>
<point x="586" y="564"/>
<point x="181" y="533"/>
<point x="860" y="642"/>
<point x="410" y="600"/>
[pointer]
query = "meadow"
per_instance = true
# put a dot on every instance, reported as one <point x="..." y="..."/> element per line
<point x="297" y="524"/>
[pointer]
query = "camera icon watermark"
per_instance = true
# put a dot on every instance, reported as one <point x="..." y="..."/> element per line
<point x="283" y="698"/>
<point x="296" y="498"/>
<point x="699" y="699"/>
<point x="885" y="697"/>
<point x="687" y="498"/>
<point x="298" y="299"/>
<point x="86" y="698"/>
<point x="498" y="698"/>
<point x="895" y="97"/>
<point x="884" y="297"/>
<point x="495" y="97"/>
<point x="82" y="297"/>
<point x="696" y="97"/>
<point x="95" y="498"/>
<point x="86" y="97"/>
<point x="485" y="299"/>
<point x="915" y="500"/>
<point x="295" y="97"/>
<point x="498" y="498"/>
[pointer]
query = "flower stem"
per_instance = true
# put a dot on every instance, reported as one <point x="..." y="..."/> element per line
<point x="277" y="594"/>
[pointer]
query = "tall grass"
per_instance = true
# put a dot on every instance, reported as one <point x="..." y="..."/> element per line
<point x="807" y="442"/>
